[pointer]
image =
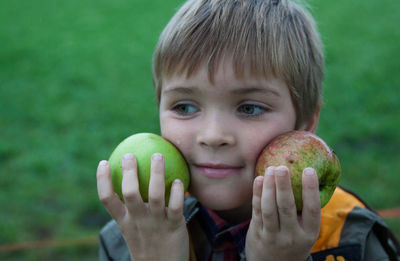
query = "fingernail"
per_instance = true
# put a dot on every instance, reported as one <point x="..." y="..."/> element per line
<point x="270" y="171"/>
<point x="177" y="181"/>
<point x="128" y="156"/>
<point x="157" y="156"/>
<point x="308" y="171"/>
<point x="281" y="171"/>
<point x="103" y="163"/>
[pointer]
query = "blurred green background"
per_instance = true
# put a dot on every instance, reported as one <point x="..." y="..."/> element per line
<point x="75" y="79"/>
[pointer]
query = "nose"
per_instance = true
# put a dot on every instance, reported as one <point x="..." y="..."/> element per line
<point x="216" y="133"/>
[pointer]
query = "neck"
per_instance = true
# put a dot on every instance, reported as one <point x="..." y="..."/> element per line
<point x="237" y="215"/>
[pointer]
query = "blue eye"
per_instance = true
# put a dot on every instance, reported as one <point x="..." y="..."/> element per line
<point x="251" y="109"/>
<point x="185" y="109"/>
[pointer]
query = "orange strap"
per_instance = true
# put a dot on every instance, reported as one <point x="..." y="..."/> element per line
<point x="333" y="217"/>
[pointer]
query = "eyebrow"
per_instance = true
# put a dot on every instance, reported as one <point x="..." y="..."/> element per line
<point x="183" y="90"/>
<point x="239" y="91"/>
<point x="255" y="89"/>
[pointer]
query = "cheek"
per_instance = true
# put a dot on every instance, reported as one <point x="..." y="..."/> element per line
<point x="175" y="133"/>
<point x="168" y="130"/>
<point x="254" y="149"/>
<point x="255" y="142"/>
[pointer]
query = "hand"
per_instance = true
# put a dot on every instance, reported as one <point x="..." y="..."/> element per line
<point x="151" y="231"/>
<point x="276" y="232"/>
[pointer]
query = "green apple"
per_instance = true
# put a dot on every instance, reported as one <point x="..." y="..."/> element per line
<point x="298" y="150"/>
<point x="143" y="146"/>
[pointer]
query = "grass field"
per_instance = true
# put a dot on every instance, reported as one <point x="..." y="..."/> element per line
<point x="75" y="79"/>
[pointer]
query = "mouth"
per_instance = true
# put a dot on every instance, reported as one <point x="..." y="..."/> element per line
<point x="217" y="171"/>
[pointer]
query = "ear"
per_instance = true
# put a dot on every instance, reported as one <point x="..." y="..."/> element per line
<point x="312" y="124"/>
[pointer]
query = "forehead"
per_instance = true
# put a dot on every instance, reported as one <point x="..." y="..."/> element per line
<point x="219" y="74"/>
<point x="224" y="81"/>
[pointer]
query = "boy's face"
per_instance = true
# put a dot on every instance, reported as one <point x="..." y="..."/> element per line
<point x="221" y="129"/>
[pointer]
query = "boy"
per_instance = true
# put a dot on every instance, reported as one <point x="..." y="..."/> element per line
<point x="230" y="76"/>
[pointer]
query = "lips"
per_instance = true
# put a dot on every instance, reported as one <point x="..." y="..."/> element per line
<point x="218" y="171"/>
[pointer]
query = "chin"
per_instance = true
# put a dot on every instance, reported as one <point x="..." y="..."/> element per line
<point x="220" y="201"/>
<point x="231" y="211"/>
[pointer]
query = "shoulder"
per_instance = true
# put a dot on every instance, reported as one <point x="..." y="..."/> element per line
<point x="111" y="232"/>
<point x="350" y="229"/>
<point x="112" y="244"/>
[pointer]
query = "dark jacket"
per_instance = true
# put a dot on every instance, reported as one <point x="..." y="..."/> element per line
<point x="349" y="232"/>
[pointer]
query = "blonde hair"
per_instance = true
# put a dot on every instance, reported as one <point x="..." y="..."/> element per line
<point x="264" y="37"/>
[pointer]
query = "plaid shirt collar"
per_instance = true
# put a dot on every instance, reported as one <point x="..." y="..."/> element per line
<point x="227" y="240"/>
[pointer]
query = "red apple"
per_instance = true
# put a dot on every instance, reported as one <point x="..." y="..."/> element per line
<point x="298" y="150"/>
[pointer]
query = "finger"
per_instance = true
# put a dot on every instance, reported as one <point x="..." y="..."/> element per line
<point x="106" y="193"/>
<point x="130" y="185"/>
<point x="268" y="202"/>
<point x="311" y="213"/>
<point x="285" y="199"/>
<point x="157" y="186"/>
<point x="176" y="199"/>
<point x="256" y="201"/>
